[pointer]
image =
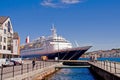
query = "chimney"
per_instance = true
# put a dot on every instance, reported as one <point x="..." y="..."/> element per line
<point x="27" y="39"/>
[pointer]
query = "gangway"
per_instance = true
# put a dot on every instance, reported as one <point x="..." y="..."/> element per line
<point x="65" y="66"/>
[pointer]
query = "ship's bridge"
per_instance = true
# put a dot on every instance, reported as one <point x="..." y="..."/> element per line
<point x="57" y="39"/>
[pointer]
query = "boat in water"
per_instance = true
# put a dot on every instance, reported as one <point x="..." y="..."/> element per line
<point x="51" y="47"/>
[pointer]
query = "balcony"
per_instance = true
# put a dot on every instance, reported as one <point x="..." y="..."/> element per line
<point x="5" y="52"/>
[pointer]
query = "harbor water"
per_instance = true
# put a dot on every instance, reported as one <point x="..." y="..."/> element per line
<point x="77" y="73"/>
<point x="103" y="59"/>
<point x="72" y="74"/>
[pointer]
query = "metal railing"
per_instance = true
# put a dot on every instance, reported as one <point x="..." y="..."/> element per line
<point x="112" y="67"/>
<point x="8" y="72"/>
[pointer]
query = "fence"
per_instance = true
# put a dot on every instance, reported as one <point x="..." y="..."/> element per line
<point x="113" y="67"/>
<point x="8" y="72"/>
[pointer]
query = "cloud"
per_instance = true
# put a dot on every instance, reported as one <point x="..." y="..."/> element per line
<point x="58" y="3"/>
<point x="70" y="1"/>
<point x="48" y="3"/>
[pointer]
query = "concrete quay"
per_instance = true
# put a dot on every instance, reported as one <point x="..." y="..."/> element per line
<point x="106" y="70"/>
<point x="27" y="72"/>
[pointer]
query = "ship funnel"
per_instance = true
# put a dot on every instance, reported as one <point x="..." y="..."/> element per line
<point x="27" y="39"/>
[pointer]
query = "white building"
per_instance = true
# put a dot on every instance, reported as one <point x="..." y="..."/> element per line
<point x="8" y="39"/>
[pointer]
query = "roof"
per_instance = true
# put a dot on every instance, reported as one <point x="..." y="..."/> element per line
<point x="15" y="35"/>
<point x="3" y="19"/>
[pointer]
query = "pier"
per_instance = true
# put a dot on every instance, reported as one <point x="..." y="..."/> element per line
<point x="27" y="71"/>
<point x="107" y="70"/>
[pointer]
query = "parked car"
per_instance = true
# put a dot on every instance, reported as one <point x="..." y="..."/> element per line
<point x="8" y="63"/>
<point x="5" y="62"/>
<point x="2" y="61"/>
<point x="17" y="61"/>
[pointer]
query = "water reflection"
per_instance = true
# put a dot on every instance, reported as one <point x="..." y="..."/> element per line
<point x="72" y="74"/>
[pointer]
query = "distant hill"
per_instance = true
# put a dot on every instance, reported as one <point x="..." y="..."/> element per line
<point x="105" y="53"/>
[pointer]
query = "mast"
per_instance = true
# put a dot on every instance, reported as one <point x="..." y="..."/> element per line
<point x="53" y="30"/>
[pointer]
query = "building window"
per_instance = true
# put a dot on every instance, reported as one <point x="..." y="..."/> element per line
<point x="6" y="24"/>
<point x="4" y="40"/>
<point x="4" y="47"/>
<point x="0" y="47"/>
<point x="1" y="26"/>
<point x="0" y="38"/>
<point x="9" y="27"/>
<point x="9" y="47"/>
<point x="4" y="31"/>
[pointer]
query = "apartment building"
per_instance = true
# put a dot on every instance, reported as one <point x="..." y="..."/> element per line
<point x="9" y="40"/>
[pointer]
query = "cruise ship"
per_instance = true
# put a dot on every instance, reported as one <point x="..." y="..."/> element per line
<point x="52" y="47"/>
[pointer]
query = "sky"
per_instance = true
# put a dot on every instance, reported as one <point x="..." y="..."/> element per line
<point x="88" y="22"/>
